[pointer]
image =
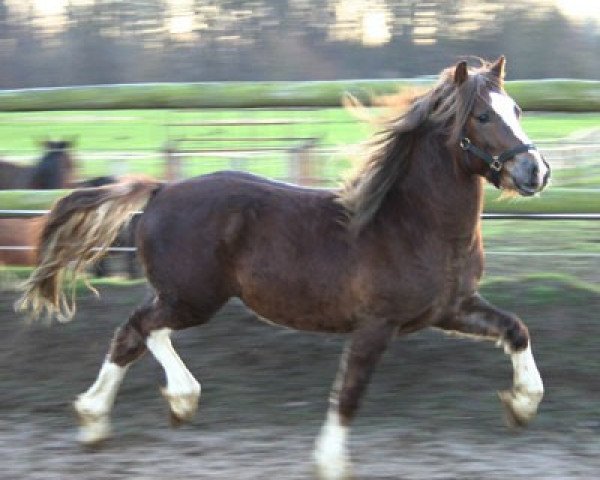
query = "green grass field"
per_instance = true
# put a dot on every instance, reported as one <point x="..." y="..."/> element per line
<point x="104" y="138"/>
<point x="117" y="130"/>
<point x="120" y="141"/>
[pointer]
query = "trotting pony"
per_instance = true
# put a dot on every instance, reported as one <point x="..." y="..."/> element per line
<point x="396" y="250"/>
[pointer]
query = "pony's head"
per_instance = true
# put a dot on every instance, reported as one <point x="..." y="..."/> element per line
<point x="53" y="145"/>
<point x="468" y="112"/>
<point x="489" y="132"/>
<point x="56" y="167"/>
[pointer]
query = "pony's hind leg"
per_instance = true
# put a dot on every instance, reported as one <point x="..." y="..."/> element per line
<point x="149" y="328"/>
<point x="182" y="390"/>
<point x="93" y="406"/>
<point x="477" y="318"/>
<point x="359" y="359"/>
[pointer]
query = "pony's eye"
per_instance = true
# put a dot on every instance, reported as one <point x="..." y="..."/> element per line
<point x="483" y="118"/>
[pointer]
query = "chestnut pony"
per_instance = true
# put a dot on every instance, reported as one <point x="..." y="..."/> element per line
<point x="396" y="250"/>
<point x="22" y="234"/>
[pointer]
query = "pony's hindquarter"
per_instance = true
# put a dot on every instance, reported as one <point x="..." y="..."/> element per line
<point x="79" y="229"/>
<point x="281" y="249"/>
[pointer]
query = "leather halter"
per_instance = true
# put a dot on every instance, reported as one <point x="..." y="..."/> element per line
<point x="494" y="162"/>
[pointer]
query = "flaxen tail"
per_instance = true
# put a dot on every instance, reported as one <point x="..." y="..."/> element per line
<point x="80" y="228"/>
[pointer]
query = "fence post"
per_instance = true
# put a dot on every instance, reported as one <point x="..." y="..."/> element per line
<point x="173" y="170"/>
<point x="301" y="164"/>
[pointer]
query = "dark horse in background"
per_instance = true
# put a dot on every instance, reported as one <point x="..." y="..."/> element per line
<point x="54" y="170"/>
<point x="396" y="250"/>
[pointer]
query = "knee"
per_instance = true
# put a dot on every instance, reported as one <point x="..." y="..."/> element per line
<point x="128" y="345"/>
<point x="516" y="335"/>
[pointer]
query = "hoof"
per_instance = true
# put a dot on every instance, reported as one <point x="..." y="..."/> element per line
<point x="94" y="427"/>
<point x="182" y="407"/>
<point x="333" y="471"/>
<point x="326" y="473"/>
<point x="519" y="407"/>
<point x="332" y="461"/>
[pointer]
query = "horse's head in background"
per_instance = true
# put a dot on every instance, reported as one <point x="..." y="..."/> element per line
<point x="56" y="167"/>
<point x="490" y="134"/>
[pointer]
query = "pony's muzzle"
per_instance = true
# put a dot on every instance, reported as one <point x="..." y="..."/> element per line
<point x="530" y="173"/>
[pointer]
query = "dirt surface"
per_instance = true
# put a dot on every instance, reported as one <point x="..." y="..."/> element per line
<point x="431" y="412"/>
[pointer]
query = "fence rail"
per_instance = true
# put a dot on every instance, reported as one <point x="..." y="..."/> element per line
<point x="555" y="200"/>
<point x="485" y="216"/>
<point x="548" y="95"/>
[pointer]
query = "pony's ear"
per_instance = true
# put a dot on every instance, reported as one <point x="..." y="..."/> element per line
<point x="42" y="142"/>
<point x="71" y="141"/>
<point x="498" y="67"/>
<point x="461" y="73"/>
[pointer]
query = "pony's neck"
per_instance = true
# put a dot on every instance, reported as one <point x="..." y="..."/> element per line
<point x="437" y="193"/>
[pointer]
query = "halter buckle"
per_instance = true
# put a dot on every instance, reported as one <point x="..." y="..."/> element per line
<point x="496" y="165"/>
<point x="465" y="143"/>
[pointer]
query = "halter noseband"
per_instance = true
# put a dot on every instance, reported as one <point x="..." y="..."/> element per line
<point x="494" y="162"/>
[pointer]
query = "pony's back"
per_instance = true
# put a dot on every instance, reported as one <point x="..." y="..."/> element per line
<point x="12" y="176"/>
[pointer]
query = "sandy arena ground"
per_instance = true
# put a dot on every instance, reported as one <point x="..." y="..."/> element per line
<point x="431" y="412"/>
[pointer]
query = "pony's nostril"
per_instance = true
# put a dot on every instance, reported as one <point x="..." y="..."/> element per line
<point x="535" y="170"/>
<point x="534" y="176"/>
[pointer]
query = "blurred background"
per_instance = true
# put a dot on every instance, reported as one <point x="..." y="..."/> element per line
<point x="73" y="42"/>
<point x="94" y="89"/>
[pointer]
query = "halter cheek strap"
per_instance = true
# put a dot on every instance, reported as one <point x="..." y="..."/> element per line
<point x="494" y="162"/>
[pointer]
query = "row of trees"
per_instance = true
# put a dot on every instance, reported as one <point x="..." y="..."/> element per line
<point x="123" y="41"/>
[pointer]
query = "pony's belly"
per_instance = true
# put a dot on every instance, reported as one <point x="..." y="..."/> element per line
<point x="326" y="320"/>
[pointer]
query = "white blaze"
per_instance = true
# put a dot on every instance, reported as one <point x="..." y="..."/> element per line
<point x="504" y="106"/>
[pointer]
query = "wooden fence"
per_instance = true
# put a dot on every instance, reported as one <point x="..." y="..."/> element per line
<point x="541" y="95"/>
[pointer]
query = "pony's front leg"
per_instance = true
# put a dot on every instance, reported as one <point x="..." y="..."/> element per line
<point x="476" y="317"/>
<point x="93" y="406"/>
<point x="358" y="362"/>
